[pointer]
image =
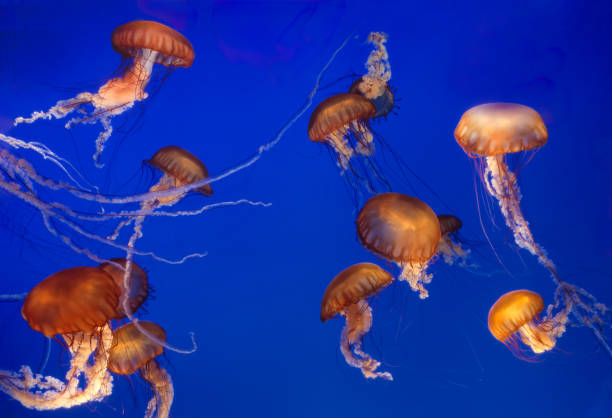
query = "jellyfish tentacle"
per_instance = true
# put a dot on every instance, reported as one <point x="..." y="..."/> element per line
<point x="163" y="390"/>
<point x="358" y="323"/>
<point x="43" y="393"/>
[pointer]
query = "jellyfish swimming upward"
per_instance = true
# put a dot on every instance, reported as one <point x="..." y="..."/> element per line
<point x="404" y="230"/>
<point x="141" y="44"/>
<point x="515" y="317"/>
<point x="132" y="351"/>
<point x="488" y="133"/>
<point x="347" y="295"/>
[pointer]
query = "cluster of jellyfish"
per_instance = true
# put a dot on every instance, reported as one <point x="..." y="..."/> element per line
<point x="91" y="311"/>
<point x="79" y="304"/>
<point x="405" y="231"/>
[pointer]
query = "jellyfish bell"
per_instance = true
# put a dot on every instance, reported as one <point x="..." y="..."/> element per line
<point x="137" y="283"/>
<point x="77" y="299"/>
<point x="132" y="351"/>
<point x="404" y="230"/>
<point x="450" y="246"/>
<point x="515" y="317"/>
<point x="141" y="44"/>
<point x="347" y="295"/>
<point x="180" y="167"/>
<point x="76" y="303"/>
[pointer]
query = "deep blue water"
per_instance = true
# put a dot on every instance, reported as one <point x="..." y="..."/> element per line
<point x="253" y="302"/>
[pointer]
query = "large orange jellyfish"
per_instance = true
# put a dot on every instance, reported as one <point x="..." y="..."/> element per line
<point x="516" y="316"/>
<point x="402" y="229"/>
<point x="133" y="351"/>
<point x="375" y="84"/>
<point x="488" y="133"/>
<point x="449" y="246"/>
<point x="141" y="44"/>
<point x="347" y="295"/>
<point x="76" y="303"/>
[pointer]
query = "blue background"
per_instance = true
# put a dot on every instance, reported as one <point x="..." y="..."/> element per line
<point x="253" y="303"/>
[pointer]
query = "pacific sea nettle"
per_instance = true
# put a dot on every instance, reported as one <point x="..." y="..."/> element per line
<point x="515" y="317"/>
<point x="77" y="303"/>
<point x="180" y="167"/>
<point x="347" y="295"/>
<point x="488" y="133"/>
<point x="132" y="351"/>
<point x="141" y="44"/>
<point x="404" y="230"/>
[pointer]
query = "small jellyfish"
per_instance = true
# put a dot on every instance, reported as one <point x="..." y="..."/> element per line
<point x="180" y="167"/>
<point x="342" y="122"/>
<point x="449" y="246"/>
<point x="347" y="295"/>
<point x="133" y="351"/>
<point x="516" y="316"/>
<point x="78" y="304"/>
<point x="375" y="84"/>
<point x="141" y="44"/>
<point x="404" y="230"/>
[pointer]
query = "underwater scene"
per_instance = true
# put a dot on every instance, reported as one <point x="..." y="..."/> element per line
<point x="305" y="208"/>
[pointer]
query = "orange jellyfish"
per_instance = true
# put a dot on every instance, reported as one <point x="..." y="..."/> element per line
<point x="141" y="44"/>
<point x="488" y="133"/>
<point x="404" y="230"/>
<point x="375" y="84"/>
<point x="449" y="246"/>
<point x="516" y="316"/>
<point x="76" y="303"/>
<point x="347" y="295"/>
<point x="342" y="122"/>
<point x="133" y="351"/>
<point x="180" y="167"/>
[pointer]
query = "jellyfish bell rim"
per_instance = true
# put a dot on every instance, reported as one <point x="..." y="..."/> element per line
<point x="335" y="103"/>
<point x="511" y="302"/>
<point x="341" y="299"/>
<point x="479" y="135"/>
<point x="206" y="190"/>
<point x="121" y="38"/>
<point x="401" y="257"/>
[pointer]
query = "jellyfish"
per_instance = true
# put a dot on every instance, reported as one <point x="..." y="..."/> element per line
<point x="133" y="351"/>
<point x="347" y="295"/>
<point x="404" y="230"/>
<point x="488" y="133"/>
<point x="375" y="84"/>
<point x="141" y="44"/>
<point x="515" y="317"/>
<point x="449" y="246"/>
<point x="76" y="303"/>
<point x="180" y="167"/>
